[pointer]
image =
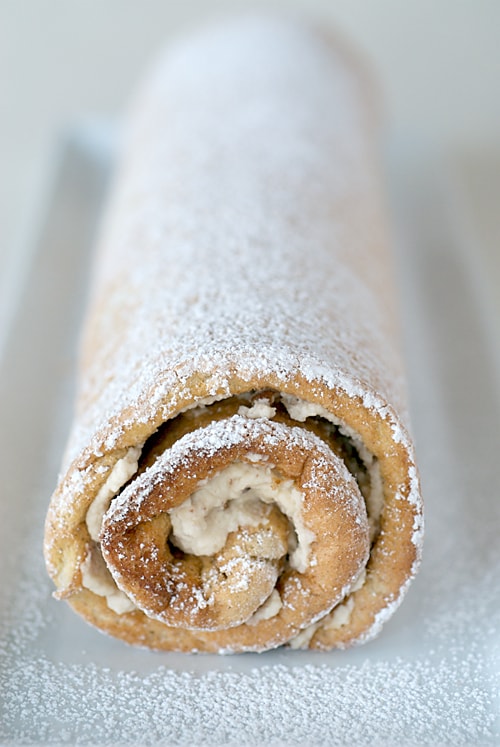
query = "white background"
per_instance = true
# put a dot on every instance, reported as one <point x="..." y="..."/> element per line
<point x="438" y="62"/>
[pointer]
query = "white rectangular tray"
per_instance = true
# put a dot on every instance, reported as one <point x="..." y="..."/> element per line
<point x="433" y="675"/>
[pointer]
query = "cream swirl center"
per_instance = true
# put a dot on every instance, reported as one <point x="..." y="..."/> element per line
<point x="235" y="497"/>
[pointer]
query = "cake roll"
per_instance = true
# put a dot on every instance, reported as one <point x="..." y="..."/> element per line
<point x="239" y="473"/>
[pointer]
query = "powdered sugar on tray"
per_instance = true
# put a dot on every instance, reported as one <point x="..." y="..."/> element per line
<point x="313" y="705"/>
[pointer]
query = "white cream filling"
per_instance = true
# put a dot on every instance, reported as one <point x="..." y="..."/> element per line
<point x="121" y="473"/>
<point x="233" y="498"/>
<point x="269" y="609"/>
<point x="259" y="409"/>
<point x="97" y="578"/>
<point x="335" y="619"/>
<point x="300" y="410"/>
<point x="95" y="574"/>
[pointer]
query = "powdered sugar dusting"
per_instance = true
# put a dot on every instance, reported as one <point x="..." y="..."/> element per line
<point x="309" y="705"/>
<point x="212" y="138"/>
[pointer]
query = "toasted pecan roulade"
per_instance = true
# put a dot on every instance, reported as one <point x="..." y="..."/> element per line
<point x="240" y="474"/>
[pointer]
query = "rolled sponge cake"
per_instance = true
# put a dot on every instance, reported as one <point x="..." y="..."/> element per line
<point x="239" y="473"/>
